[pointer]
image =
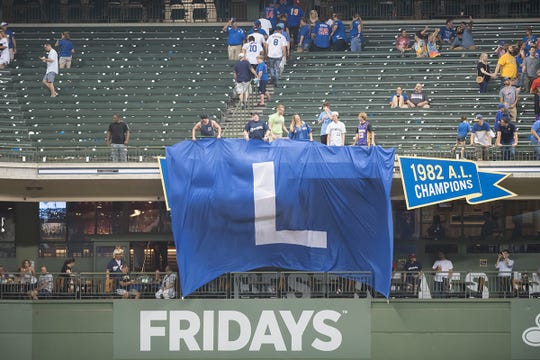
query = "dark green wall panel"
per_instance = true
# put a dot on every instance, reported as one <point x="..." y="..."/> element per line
<point x="440" y="346"/>
<point x="73" y="317"/>
<point x="454" y="329"/>
<point x="74" y="346"/>
<point x="441" y="316"/>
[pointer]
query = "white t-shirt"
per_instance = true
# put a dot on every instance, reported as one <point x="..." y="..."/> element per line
<point x="52" y="66"/>
<point x="446" y="266"/>
<point x="259" y="38"/>
<point x="275" y="43"/>
<point x="252" y="49"/>
<point x="504" y="268"/>
<point x="266" y="25"/>
<point x="4" y="56"/>
<point x="334" y="131"/>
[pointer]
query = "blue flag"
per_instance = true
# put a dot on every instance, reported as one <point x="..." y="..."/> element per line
<point x="238" y="206"/>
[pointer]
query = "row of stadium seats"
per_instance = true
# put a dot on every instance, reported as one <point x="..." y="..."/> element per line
<point x="161" y="78"/>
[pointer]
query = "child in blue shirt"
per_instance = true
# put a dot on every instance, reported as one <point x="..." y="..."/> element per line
<point x="463" y="130"/>
<point x="262" y="76"/>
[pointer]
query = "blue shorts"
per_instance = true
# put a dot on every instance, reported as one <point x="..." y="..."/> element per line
<point x="262" y="86"/>
<point x="44" y="293"/>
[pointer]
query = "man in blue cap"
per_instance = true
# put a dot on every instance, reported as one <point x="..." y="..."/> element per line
<point x="481" y="137"/>
<point x="507" y="139"/>
<point x="502" y="112"/>
<point x="235" y="38"/>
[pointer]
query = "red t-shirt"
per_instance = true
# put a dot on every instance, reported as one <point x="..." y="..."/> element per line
<point x="535" y="86"/>
<point x="402" y="42"/>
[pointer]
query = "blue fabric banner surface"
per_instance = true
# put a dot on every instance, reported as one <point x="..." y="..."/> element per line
<point x="238" y="206"/>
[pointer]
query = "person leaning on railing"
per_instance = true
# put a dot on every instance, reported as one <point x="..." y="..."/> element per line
<point x="6" y="280"/>
<point x="168" y="284"/>
<point x="68" y="284"/>
<point x="504" y="264"/>
<point x="413" y="274"/>
<point x="44" y="286"/>
<point x="535" y="137"/>
<point x="441" y="280"/>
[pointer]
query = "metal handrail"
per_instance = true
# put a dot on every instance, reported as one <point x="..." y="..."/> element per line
<point x="93" y="154"/>
<point x="468" y="284"/>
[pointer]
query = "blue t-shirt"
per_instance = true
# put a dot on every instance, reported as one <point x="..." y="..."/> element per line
<point x="235" y="37"/>
<point x="477" y="127"/>
<point x="65" y="47"/>
<point x="242" y="68"/>
<point x="322" y="35"/>
<point x="256" y="129"/>
<point x="447" y="34"/>
<point x="536" y="128"/>
<point x="284" y="8"/>
<point x="498" y="116"/>
<point x="262" y="67"/>
<point x="270" y="13"/>
<point x="340" y="33"/>
<point x="286" y="36"/>
<point x="259" y="30"/>
<point x="519" y="61"/>
<point x="354" y="28"/>
<point x="294" y="15"/>
<point x="467" y="39"/>
<point x="325" y="122"/>
<point x="463" y="129"/>
<point x="405" y="97"/>
<point x="528" y="42"/>
<point x="301" y="132"/>
<point x="9" y="34"/>
<point x="306" y="32"/>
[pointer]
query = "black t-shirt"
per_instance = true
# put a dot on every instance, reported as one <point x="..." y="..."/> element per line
<point x="417" y="98"/>
<point x="125" y="279"/>
<point x="118" y="132"/>
<point x="412" y="266"/>
<point x="242" y="68"/>
<point x="256" y="129"/>
<point x="507" y="134"/>
<point x="481" y="65"/>
<point x="207" y="129"/>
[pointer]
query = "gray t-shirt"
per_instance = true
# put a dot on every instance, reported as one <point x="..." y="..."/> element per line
<point x="531" y="66"/>
<point x="417" y="98"/>
<point x="47" y="280"/>
<point x="508" y="94"/>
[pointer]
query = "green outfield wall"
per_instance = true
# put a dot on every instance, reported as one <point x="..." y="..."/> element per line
<point x="269" y="329"/>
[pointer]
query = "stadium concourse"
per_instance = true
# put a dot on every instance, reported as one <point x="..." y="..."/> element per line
<point x="55" y="167"/>
<point x="159" y="78"/>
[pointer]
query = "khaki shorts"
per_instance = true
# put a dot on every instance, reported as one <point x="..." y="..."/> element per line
<point x="242" y="88"/>
<point x="11" y="54"/>
<point x="65" y="61"/>
<point x="234" y="51"/>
